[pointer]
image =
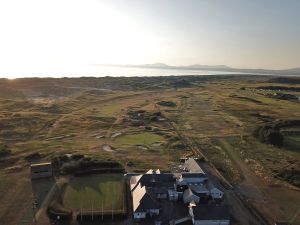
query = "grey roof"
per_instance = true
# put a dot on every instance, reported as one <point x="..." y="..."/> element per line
<point x="189" y="196"/>
<point x="159" y="190"/>
<point x="148" y="202"/>
<point x="210" y="212"/>
<point x="193" y="166"/>
<point x="141" y="200"/>
<point x="199" y="189"/>
<point x="193" y="175"/>
<point x="163" y="179"/>
<point x="188" y="192"/>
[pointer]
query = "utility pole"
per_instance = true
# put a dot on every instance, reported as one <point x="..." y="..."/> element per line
<point x="112" y="212"/>
<point x="102" y="209"/>
<point x="81" y="211"/>
<point x="93" y="210"/>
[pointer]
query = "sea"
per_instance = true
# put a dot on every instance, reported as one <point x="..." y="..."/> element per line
<point x="103" y="70"/>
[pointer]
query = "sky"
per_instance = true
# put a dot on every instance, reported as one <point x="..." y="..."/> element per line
<point x="43" y="35"/>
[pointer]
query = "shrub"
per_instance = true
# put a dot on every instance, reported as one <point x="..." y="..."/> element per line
<point x="4" y="151"/>
<point x="79" y="163"/>
<point x="269" y="134"/>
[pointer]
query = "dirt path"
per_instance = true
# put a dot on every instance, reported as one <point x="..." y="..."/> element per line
<point x="252" y="187"/>
<point x="250" y="182"/>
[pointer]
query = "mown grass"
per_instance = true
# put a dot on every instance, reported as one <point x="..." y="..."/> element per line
<point x="144" y="138"/>
<point x="95" y="191"/>
<point x="111" y="109"/>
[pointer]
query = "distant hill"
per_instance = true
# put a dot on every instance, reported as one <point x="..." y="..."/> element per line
<point x="195" y="66"/>
<point x="297" y="70"/>
<point x="292" y="71"/>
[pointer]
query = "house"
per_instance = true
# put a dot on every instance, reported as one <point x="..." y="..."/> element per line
<point x="209" y="215"/>
<point x="143" y="203"/>
<point x="41" y="170"/>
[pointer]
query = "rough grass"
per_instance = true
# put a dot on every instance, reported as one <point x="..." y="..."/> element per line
<point x="91" y="192"/>
<point x="7" y="182"/>
<point x="208" y="114"/>
<point x="289" y="202"/>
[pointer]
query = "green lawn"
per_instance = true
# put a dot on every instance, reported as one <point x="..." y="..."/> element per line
<point x="91" y="192"/>
<point x="111" y="109"/>
<point x="138" y="139"/>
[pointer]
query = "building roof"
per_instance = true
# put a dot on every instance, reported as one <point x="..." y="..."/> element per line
<point x="137" y="195"/>
<point x="41" y="164"/>
<point x="163" y="179"/>
<point x="199" y="189"/>
<point x="189" y="196"/>
<point x="193" y="175"/>
<point x="134" y="180"/>
<point x="148" y="202"/>
<point x="187" y="193"/>
<point x="210" y="212"/>
<point x="150" y="171"/>
<point x="159" y="190"/>
<point x="141" y="200"/>
<point x="193" y="166"/>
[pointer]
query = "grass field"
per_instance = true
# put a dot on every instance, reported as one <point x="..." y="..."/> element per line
<point x="215" y="114"/>
<point x="138" y="139"/>
<point x="94" y="192"/>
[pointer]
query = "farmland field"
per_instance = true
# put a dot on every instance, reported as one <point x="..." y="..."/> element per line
<point x="94" y="192"/>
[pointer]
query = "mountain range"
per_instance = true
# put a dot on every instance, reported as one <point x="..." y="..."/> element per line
<point x="292" y="71"/>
